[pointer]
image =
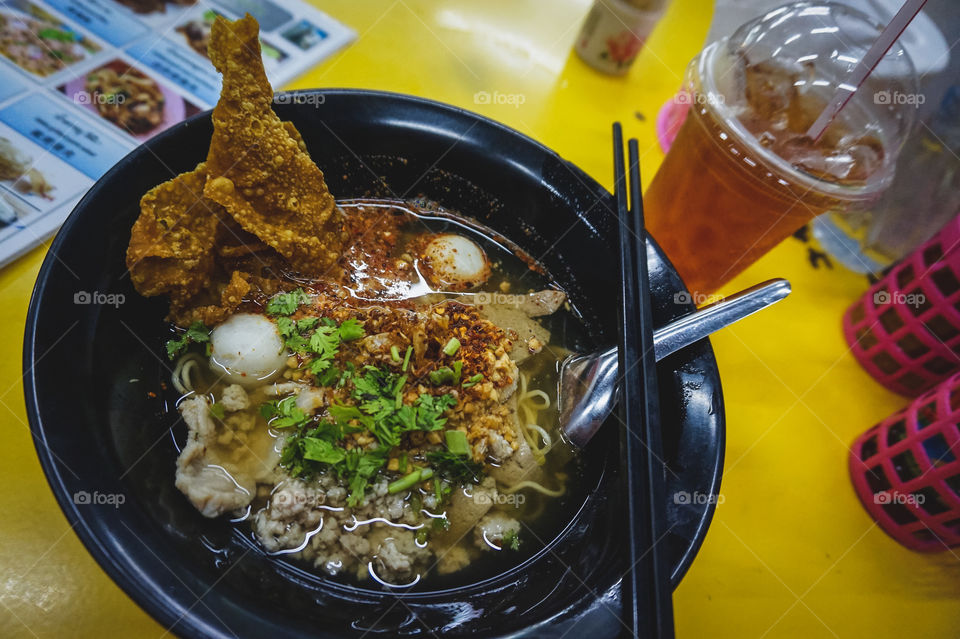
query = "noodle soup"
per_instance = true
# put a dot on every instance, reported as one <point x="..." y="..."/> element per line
<point x="368" y="386"/>
<point x="394" y="422"/>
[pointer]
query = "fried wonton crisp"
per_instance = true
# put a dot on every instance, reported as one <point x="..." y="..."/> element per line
<point x="258" y="205"/>
<point x="258" y="171"/>
<point x="226" y="302"/>
<point x="171" y="243"/>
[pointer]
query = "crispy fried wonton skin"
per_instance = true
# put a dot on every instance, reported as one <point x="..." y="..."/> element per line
<point x="231" y="297"/>
<point x="259" y="206"/>
<point x="257" y="170"/>
<point x="171" y="243"/>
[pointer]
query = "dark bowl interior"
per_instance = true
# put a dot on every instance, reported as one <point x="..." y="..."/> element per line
<point x="93" y="374"/>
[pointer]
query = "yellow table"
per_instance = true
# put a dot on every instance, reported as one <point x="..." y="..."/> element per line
<point x="790" y="553"/>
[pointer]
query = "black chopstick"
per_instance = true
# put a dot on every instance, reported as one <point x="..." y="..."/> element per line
<point x="646" y="588"/>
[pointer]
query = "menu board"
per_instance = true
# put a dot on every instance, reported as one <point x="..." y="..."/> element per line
<point x="83" y="82"/>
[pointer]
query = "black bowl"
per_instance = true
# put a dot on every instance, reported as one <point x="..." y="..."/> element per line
<point x="93" y="373"/>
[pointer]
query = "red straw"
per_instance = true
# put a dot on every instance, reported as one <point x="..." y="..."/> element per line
<point x="867" y="64"/>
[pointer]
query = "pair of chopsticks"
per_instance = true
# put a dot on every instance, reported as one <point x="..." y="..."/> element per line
<point x="646" y="588"/>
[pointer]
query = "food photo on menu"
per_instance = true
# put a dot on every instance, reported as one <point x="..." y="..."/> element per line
<point x="620" y="318"/>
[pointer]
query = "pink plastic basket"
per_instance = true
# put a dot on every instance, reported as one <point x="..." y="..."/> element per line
<point x="906" y="472"/>
<point x="905" y="331"/>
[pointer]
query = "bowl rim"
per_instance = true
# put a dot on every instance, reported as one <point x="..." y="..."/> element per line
<point x="161" y="605"/>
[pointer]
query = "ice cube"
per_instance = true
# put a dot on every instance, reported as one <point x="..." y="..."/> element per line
<point x="852" y="161"/>
<point x="804" y="109"/>
<point x="769" y="90"/>
<point x="867" y="157"/>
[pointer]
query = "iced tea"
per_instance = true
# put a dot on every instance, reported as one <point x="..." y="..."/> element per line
<point x="742" y="175"/>
<point x="715" y="207"/>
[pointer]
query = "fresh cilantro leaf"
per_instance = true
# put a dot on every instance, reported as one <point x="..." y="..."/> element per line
<point x="325" y="344"/>
<point x="293" y="332"/>
<point x="343" y="413"/>
<point x="430" y="408"/>
<point x="326" y="430"/>
<point x="176" y="346"/>
<point x="297" y="343"/>
<point x="324" y="340"/>
<point x="284" y="414"/>
<point x="197" y="333"/>
<point x="268" y="410"/>
<point x="308" y="451"/>
<point x="351" y="329"/>
<point x="358" y="486"/>
<point x="286" y="326"/>
<point x="348" y="370"/>
<point x="369" y="384"/>
<point x="321" y="450"/>
<point x="286" y="303"/>
<point x="360" y="467"/>
<point x="291" y="457"/>
<point x="318" y="365"/>
<point x="329" y="377"/>
<point x="307" y="323"/>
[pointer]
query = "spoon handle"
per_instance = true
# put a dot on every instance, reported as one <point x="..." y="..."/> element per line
<point x="589" y="384"/>
<point x="713" y="317"/>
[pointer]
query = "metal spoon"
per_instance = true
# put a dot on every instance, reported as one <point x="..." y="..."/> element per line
<point x="589" y="383"/>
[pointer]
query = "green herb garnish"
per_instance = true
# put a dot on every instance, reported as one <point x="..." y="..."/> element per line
<point x="360" y="467"/>
<point x="217" y="410"/>
<point x="405" y="483"/>
<point x="351" y="329"/>
<point x="284" y="413"/>
<point x="473" y="381"/>
<point x="451" y="347"/>
<point x="447" y="375"/>
<point x="440" y="524"/>
<point x="321" y="450"/>
<point x="511" y="540"/>
<point x="198" y="333"/>
<point x="320" y="339"/>
<point x="455" y="468"/>
<point x="441" y="376"/>
<point x="379" y="409"/>
<point x="287" y="303"/>
<point x="457" y="442"/>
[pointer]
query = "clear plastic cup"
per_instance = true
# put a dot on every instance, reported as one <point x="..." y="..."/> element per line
<point x="741" y="175"/>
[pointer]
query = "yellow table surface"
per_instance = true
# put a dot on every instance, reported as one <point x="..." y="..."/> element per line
<point x="790" y="553"/>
